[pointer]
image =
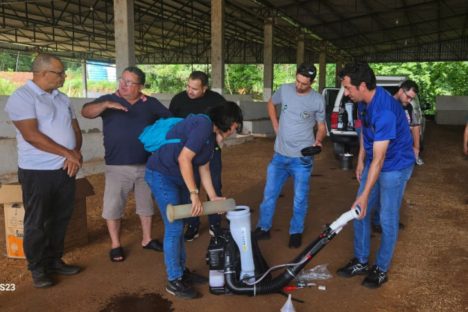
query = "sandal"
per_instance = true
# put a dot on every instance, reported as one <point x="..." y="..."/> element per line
<point x="117" y="254"/>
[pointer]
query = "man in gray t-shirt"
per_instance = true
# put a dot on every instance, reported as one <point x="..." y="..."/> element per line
<point x="301" y="109"/>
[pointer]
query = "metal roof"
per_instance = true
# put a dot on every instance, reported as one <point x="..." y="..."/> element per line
<point x="178" y="31"/>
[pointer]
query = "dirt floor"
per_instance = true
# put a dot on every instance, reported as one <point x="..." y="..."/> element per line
<point x="429" y="270"/>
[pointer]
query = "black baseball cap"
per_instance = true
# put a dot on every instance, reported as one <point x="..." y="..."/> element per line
<point x="307" y="70"/>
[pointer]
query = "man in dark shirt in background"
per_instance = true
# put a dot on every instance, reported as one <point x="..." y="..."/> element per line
<point x="197" y="99"/>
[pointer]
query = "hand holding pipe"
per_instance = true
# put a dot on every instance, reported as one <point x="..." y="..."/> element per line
<point x="209" y="207"/>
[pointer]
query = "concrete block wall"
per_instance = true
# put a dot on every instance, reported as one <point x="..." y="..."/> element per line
<point x="255" y="115"/>
<point x="451" y="110"/>
<point x="256" y="120"/>
<point x="92" y="150"/>
<point x="165" y="98"/>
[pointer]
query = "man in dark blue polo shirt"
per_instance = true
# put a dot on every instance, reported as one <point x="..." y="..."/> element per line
<point x="171" y="176"/>
<point x="125" y="114"/>
<point x="385" y="164"/>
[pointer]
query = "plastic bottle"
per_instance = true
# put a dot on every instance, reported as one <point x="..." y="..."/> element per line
<point x="349" y="112"/>
<point x="344" y="118"/>
<point x="288" y="306"/>
<point x="340" y="118"/>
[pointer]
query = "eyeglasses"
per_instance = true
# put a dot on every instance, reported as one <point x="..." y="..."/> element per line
<point x="128" y="83"/>
<point x="61" y="74"/>
<point x="408" y="96"/>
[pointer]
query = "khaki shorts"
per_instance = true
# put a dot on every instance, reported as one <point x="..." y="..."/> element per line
<point x="121" y="180"/>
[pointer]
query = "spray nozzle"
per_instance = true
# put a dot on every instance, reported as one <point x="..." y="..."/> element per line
<point x="345" y="218"/>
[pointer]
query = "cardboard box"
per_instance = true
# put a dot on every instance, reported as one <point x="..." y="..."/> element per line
<point x="11" y="198"/>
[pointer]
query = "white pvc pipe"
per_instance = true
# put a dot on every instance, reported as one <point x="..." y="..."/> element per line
<point x="209" y="207"/>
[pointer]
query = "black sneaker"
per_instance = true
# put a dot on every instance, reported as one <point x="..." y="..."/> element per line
<point x="375" y="278"/>
<point x="191" y="233"/>
<point x="295" y="240"/>
<point x="376" y="228"/>
<point x="353" y="268"/>
<point x="57" y="266"/>
<point x="261" y="234"/>
<point x="41" y="279"/>
<point x="180" y="289"/>
<point x="191" y="278"/>
<point x="215" y="229"/>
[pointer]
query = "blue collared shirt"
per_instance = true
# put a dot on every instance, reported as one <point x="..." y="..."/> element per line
<point x="384" y="119"/>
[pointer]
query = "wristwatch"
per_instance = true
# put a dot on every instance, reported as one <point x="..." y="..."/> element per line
<point x="195" y="191"/>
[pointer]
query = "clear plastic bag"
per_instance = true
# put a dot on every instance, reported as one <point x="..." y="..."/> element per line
<point x="319" y="272"/>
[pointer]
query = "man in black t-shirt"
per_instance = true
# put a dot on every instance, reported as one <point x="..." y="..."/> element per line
<point x="197" y="99"/>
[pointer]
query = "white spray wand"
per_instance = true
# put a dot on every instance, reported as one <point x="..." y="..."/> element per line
<point x="339" y="223"/>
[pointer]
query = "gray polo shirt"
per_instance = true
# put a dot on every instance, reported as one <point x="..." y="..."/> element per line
<point x="299" y="114"/>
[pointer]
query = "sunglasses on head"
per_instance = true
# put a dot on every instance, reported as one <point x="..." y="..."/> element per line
<point x="310" y="73"/>
<point x="307" y="71"/>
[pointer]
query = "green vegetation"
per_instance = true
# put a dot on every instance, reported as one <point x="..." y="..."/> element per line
<point x="6" y="87"/>
<point x="15" y="61"/>
<point x="434" y="78"/>
<point x="168" y="78"/>
<point x="73" y="85"/>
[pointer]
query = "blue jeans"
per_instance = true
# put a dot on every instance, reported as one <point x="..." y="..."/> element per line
<point x="279" y="170"/>
<point x="388" y="190"/>
<point x="215" y="169"/>
<point x="170" y="190"/>
<point x="376" y="216"/>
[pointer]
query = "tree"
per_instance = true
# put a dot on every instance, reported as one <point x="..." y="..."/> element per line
<point x="244" y="79"/>
<point x="433" y="78"/>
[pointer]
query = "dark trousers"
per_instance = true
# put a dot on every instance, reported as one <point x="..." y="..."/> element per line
<point x="48" y="198"/>
<point x="215" y="169"/>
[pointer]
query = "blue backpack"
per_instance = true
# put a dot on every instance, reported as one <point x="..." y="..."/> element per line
<point x="154" y="136"/>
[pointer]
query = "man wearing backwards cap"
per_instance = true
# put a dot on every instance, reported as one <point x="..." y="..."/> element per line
<point x="301" y="109"/>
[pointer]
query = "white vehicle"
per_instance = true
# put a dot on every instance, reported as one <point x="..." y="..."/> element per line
<point x="342" y="120"/>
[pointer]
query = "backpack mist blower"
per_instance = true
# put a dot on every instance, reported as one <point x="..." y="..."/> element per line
<point x="235" y="261"/>
<point x="237" y="265"/>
